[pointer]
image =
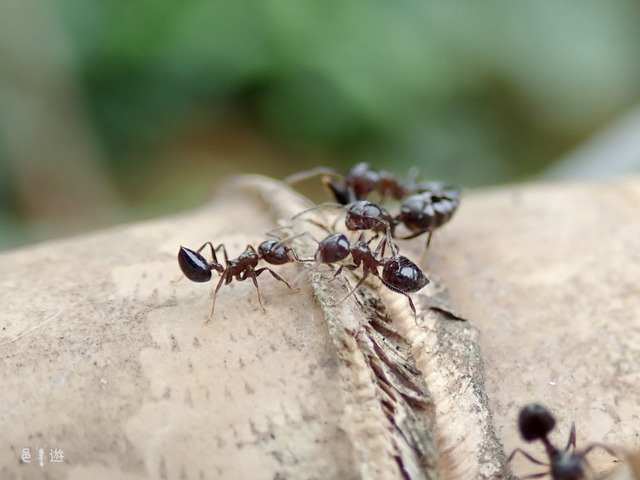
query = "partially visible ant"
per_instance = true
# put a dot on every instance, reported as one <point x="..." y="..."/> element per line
<point x="535" y="422"/>
<point x="356" y="184"/>
<point x="361" y="181"/>
<point x="399" y="274"/>
<point x="197" y="269"/>
<point x="426" y="211"/>
<point x="364" y="215"/>
<point x="424" y="207"/>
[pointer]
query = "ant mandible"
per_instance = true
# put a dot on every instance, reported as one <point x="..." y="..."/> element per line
<point x="535" y="422"/>
<point x="399" y="274"/>
<point x="197" y="269"/>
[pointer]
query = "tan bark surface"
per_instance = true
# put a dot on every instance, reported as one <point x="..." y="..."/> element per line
<point x="107" y="358"/>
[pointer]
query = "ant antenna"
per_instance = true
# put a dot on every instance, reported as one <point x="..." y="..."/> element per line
<point x="314" y="172"/>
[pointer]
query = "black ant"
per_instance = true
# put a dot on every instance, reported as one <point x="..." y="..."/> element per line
<point x="426" y="211"/>
<point x="399" y="274"/>
<point x="535" y="422"/>
<point x="364" y="215"/>
<point x="424" y="206"/>
<point x="360" y="181"/>
<point x="197" y="269"/>
<point x="357" y="184"/>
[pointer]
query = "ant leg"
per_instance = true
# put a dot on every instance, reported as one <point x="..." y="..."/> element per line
<point x="604" y="447"/>
<point x="224" y="250"/>
<point x="412" y="236"/>
<point x="572" y="439"/>
<point x="250" y="272"/>
<point x="339" y="271"/>
<point x="529" y="457"/>
<point x="358" y="285"/>
<point x="392" y="246"/>
<point x="213" y="250"/>
<point x="429" y="239"/>
<point x="535" y="475"/>
<point x="274" y="274"/>
<point x="215" y="294"/>
<point x="413" y="307"/>
<point x="214" y="258"/>
<point x="381" y="246"/>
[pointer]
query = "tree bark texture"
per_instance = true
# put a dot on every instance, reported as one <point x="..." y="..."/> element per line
<point x="535" y="296"/>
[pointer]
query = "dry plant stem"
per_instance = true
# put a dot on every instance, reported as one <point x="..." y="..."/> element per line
<point x="450" y="365"/>
<point x="107" y="358"/>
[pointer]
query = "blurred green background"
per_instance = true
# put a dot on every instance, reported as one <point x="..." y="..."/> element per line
<point x="114" y="111"/>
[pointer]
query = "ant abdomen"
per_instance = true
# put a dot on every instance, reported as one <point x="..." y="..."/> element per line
<point x="193" y="265"/>
<point x="535" y="422"/>
<point x="402" y="275"/>
<point x="426" y="211"/>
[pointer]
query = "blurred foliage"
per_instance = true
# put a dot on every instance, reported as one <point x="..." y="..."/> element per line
<point x="181" y="94"/>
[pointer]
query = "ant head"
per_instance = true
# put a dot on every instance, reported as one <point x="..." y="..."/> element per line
<point x="364" y="215"/>
<point x="535" y="422"/>
<point x="332" y="249"/>
<point x="194" y="266"/>
<point x="275" y="256"/>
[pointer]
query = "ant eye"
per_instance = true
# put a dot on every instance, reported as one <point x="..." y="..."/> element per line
<point x="193" y="265"/>
<point x="535" y="422"/>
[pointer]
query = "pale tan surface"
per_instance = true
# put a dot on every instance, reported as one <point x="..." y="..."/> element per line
<point x="551" y="276"/>
<point x="105" y="357"/>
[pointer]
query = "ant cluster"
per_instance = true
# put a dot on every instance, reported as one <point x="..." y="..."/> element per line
<point x="423" y="208"/>
<point x="535" y="423"/>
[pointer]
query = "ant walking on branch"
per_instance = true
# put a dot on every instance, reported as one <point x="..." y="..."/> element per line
<point x="197" y="269"/>
<point x="399" y="274"/>
<point x="535" y="422"/>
